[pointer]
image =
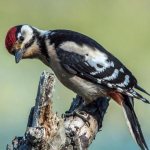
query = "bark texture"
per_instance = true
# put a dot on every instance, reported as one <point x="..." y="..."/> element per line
<point x="47" y="131"/>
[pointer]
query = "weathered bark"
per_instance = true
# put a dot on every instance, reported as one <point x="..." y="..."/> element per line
<point x="47" y="131"/>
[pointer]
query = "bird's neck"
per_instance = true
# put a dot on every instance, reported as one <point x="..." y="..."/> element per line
<point x="44" y="42"/>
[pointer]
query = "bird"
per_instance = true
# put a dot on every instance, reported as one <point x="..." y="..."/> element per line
<point x="83" y="66"/>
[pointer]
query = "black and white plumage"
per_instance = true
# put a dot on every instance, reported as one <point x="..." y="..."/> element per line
<point x="82" y="65"/>
<point x="82" y="56"/>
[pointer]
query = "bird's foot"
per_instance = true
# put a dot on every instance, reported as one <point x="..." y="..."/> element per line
<point x="79" y="114"/>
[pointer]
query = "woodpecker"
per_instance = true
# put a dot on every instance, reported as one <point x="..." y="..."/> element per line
<point x="82" y="65"/>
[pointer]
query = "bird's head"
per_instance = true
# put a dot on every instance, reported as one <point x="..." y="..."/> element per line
<point x="22" y="42"/>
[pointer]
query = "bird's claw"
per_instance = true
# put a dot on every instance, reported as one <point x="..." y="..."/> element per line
<point x="78" y="114"/>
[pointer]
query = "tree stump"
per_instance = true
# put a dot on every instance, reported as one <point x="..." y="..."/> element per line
<point x="48" y="131"/>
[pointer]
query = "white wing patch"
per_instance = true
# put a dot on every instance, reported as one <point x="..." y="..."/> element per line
<point x="75" y="48"/>
<point x="100" y="69"/>
<point x="113" y="76"/>
<point x="121" y="70"/>
<point x="93" y="56"/>
<point x="125" y="83"/>
<point x="98" y="60"/>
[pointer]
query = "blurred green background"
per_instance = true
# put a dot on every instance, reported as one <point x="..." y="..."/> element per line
<point x="121" y="26"/>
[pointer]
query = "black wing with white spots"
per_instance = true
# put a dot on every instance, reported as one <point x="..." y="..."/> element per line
<point x="109" y="75"/>
<point x="114" y="72"/>
<point x="81" y="55"/>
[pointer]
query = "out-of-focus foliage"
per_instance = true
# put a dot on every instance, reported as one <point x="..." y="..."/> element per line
<point x="123" y="27"/>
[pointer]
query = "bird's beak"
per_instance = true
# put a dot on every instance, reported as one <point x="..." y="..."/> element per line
<point x="18" y="52"/>
<point x="18" y="55"/>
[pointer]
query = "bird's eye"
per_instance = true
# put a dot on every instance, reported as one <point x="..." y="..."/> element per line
<point x="21" y="38"/>
<point x="13" y="52"/>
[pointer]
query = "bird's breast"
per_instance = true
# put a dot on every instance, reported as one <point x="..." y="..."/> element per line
<point x="88" y="90"/>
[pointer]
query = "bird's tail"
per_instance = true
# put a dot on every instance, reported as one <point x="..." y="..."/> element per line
<point x="134" y="94"/>
<point x="141" y="89"/>
<point x="133" y="122"/>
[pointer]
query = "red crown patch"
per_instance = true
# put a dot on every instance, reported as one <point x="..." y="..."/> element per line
<point x="10" y="38"/>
